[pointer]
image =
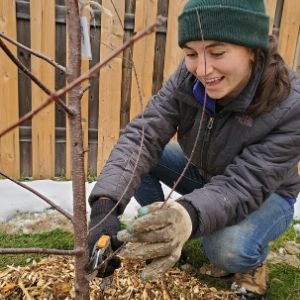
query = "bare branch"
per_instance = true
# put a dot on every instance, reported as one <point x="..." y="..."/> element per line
<point x="51" y="203"/>
<point x="41" y="251"/>
<point x="25" y="70"/>
<point x="86" y="76"/>
<point x="35" y="53"/>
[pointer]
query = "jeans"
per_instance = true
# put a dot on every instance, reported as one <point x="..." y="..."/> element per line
<point x="235" y="249"/>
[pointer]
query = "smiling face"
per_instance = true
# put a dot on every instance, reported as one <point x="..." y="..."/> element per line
<point x="223" y="68"/>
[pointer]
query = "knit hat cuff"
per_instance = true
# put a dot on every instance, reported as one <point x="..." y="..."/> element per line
<point x="227" y="24"/>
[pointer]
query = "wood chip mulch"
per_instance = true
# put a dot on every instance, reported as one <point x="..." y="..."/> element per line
<point x="53" y="278"/>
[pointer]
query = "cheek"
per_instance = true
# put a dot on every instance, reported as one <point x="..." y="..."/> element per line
<point x="190" y="66"/>
<point x="239" y="71"/>
<point x="245" y="72"/>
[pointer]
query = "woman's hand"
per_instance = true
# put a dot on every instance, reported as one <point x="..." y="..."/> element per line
<point x="158" y="233"/>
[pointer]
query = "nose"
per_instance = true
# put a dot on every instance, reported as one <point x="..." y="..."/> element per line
<point x="204" y="67"/>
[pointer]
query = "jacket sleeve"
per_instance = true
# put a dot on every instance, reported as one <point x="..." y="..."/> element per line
<point x="140" y="145"/>
<point x="259" y="170"/>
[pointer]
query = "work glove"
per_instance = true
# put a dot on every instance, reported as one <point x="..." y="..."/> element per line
<point x="158" y="233"/>
<point x="110" y="227"/>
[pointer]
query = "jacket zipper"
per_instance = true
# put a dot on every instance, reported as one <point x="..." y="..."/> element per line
<point x="204" y="148"/>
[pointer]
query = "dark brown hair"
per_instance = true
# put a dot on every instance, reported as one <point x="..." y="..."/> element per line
<point x="274" y="86"/>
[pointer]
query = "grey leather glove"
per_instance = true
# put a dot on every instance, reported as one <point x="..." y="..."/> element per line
<point x="159" y="234"/>
<point x="110" y="227"/>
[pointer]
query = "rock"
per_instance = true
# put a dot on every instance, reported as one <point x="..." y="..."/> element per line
<point x="277" y="258"/>
<point x="281" y="251"/>
<point x="292" y="247"/>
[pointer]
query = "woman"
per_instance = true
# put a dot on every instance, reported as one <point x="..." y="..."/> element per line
<point x="235" y="108"/>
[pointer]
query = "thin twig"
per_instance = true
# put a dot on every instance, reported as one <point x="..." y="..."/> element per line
<point x="201" y="121"/>
<point x="50" y="202"/>
<point x="85" y="89"/>
<point x="26" y="71"/>
<point x="86" y="76"/>
<point x="41" y="251"/>
<point x="35" y="53"/>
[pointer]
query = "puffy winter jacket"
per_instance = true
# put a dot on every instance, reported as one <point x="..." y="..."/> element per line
<point x="243" y="159"/>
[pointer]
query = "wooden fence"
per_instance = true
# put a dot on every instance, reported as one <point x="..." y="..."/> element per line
<point x="40" y="147"/>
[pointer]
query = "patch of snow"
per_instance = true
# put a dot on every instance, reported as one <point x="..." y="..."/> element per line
<point x="297" y="209"/>
<point x="297" y="227"/>
<point x="15" y="199"/>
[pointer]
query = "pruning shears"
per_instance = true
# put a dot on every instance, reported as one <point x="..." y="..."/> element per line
<point x="101" y="251"/>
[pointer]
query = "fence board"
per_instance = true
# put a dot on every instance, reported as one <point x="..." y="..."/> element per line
<point x="289" y="30"/>
<point x="85" y="116"/>
<point x="297" y="58"/>
<point x="93" y="104"/>
<point x="85" y="65"/>
<point x="173" y="52"/>
<point x="270" y="9"/>
<point x="9" y="113"/>
<point x="42" y="28"/>
<point x="24" y="87"/>
<point x="60" y="116"/>
<point x="143" y="56"/>
<point x="110" y="82"/>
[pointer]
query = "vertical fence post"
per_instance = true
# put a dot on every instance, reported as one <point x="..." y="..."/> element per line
<point x="270" y="9"/>
<point x="143" y="55"/>
<point x="42" y="28"/>
<point x="289" y="31"/>
<point x="110" y="81"/>
<point x="173" y="52"/>
<point x="9" y="112"/>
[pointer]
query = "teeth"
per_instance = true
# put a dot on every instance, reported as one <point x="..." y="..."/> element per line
<point x="212" y="80"/>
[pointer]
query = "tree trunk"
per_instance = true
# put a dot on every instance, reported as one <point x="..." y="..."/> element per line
<point x="77" y="152"/>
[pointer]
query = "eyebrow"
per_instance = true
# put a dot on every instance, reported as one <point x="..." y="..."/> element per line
<point x="212" y="45"/>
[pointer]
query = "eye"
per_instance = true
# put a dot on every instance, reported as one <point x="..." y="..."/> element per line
<point x="217" y="53"/>
<point x="191" y="54"/>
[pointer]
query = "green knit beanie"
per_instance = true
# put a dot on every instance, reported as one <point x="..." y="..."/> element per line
<point x="242" y="22"/>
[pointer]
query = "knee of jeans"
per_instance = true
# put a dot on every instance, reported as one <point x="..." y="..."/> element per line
<point x="233" y="257"/>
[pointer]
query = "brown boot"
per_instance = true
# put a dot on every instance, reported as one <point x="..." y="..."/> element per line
<point x="253" y="284"/>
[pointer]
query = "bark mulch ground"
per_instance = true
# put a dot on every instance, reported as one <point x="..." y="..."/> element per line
<point x="52" y="278"/>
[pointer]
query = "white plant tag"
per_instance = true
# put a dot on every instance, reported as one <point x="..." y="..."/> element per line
<point x="86" y="51"/>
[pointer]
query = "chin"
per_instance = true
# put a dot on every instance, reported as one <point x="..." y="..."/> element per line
<point x="217" y="96"/>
